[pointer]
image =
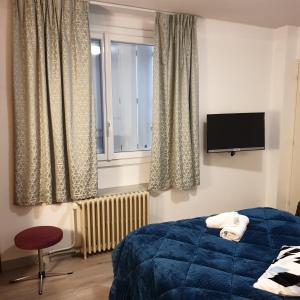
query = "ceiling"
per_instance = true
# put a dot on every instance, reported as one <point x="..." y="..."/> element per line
<point x="266" y="13"/>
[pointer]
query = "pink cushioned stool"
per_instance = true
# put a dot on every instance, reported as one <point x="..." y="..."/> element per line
<point x="38" y="238"/>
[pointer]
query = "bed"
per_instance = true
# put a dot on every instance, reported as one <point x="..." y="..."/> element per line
<point x="186" y="260"/>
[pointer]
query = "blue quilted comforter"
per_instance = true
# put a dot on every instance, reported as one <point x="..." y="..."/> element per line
<point x="187" y="261"/>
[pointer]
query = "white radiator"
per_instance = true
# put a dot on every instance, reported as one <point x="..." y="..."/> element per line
<point x="106" y="220"/>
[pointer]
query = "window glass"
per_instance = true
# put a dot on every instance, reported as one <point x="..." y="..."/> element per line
<point x="132" y="83"/>
<point x="97" y="91"/>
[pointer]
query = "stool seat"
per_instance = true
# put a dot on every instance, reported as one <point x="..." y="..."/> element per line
<point x="39" y="237"/>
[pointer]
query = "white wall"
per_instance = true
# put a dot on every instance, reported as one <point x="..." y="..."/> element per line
<point x="281" y="117"/>
<point x="235" y="65"/>
<point x="235" y="76"/>
<point x="12" y="218"/>
<point x="235" y="71"/>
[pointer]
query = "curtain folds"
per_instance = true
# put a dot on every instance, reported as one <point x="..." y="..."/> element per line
<point x="55" y="143"/>
<point x="175" y="137"/>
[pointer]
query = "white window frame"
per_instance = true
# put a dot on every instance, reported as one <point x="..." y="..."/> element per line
<point x="98" y="35"/>
<point x="109" y="158"/>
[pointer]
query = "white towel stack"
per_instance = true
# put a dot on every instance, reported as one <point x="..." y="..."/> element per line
<point x="232" y="225"/>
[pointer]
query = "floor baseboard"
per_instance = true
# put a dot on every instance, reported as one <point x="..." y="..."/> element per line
<point x="12" y="264"/>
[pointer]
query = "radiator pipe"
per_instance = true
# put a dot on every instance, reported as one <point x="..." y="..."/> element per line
<point x="69" y="249"/>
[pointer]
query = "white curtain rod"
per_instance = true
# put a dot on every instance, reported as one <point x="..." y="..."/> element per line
<point x="101" y="3"/>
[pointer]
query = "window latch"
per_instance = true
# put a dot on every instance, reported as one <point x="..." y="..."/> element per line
<point x="107" y="128"/>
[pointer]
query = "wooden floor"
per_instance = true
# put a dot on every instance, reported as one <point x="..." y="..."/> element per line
<point x="92" y="279"/>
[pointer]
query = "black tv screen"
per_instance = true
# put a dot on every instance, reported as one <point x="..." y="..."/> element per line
<point x="235" y="132"/>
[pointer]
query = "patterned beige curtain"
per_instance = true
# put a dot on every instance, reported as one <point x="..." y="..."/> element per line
<point x="175" y="138"/>
<point x="55" y="145"/>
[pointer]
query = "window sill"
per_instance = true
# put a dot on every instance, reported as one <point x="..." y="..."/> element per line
<point x="123" y="162"/>
<point x="123" y="189"/>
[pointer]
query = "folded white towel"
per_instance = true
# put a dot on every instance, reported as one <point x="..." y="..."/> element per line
<point x="223" y="219"/>
<point x="236" y="231"/>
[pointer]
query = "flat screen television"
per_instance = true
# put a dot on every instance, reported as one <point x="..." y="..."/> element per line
<point x="235" y="132"/>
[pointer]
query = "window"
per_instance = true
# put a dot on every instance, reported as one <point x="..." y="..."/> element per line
<point x="131" y="67"/>
<point x="122" y="83"/>
<point x="97" y="92"/>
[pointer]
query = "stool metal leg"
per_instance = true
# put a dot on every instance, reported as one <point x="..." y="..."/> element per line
<point x="41" y="261"/>
<point x="41" y="283"/>
<point x="41" y="271"/>
<point x="52" y="274"/>
<point x="24" y="278"/>
<point x="41" y="274"/>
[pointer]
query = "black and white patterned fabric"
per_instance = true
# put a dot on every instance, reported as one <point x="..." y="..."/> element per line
<point x="283" y="275"/>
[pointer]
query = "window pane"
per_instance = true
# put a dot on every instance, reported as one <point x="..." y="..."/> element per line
<point x="132" y="72"/>
<point x="97" y="92"/>
<point x="144" y="93"/>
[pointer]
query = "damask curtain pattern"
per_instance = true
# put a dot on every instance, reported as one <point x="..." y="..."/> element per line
<point x="55" y="144"/>
<point x="175" y="137"/>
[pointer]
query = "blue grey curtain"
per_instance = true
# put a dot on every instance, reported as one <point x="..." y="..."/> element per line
<point x="55" y="144"/>
<point x="175" y="137"/>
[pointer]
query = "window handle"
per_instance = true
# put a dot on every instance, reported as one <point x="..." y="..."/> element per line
<point x="108" y="128"/>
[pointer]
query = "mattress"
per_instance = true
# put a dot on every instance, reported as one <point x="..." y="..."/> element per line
<point x="187" y="260"/>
